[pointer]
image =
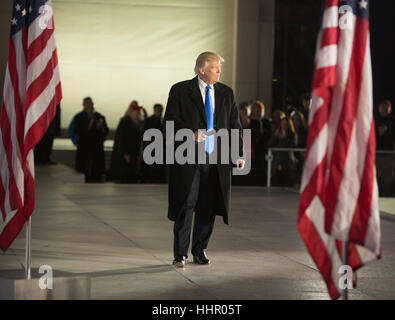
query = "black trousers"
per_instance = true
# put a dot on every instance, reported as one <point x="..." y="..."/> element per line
<point x="204" y="188"/>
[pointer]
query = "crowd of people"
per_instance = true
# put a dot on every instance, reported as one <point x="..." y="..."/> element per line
<point x="88" y="130"/>
<point x="287" y="128"/>
<point x="284" y="128"/>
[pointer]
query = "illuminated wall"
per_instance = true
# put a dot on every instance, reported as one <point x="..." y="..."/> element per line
<point x="119" y="50"/>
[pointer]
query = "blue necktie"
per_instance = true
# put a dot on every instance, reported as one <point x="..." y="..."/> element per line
<point x="209" y="143"/>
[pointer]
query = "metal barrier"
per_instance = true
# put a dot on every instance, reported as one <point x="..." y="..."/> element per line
<point x="269" y="157"/>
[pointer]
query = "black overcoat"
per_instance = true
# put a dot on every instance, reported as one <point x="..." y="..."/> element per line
<point x="90" y="142"/>
<point x="186" y="108"/>
<point x="127" y="141"/>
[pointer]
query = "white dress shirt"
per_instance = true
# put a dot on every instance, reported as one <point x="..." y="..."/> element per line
<point x="202" y="87"/>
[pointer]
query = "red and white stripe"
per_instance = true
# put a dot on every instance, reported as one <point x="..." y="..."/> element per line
<point x="31" y="92"/>
<point x="339" y="195"/>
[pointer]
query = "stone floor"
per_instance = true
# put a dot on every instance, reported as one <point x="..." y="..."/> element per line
<point x="120" y="237"/>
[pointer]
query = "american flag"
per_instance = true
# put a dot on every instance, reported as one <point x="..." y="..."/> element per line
<point x="339" y="195"/>
<point x="31" y="92"/>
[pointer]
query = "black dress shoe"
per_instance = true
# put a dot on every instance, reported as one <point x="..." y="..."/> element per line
<point x="201" y="258"/>
<point x="179" y="261"/>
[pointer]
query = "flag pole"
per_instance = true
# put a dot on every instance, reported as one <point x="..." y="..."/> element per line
<point x="345" y="262"/>
<point x="28" y="247"/>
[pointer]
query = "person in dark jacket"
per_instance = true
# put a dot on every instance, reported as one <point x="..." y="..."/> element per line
<point x="385" y="127"/>
<point x="385" y="140"/>
<point x="283" y="161"/>
<point x="156" y="120"/>
<point x="244" y="113"/>
<point x="126" y="152"/>
<point x="90" y="130"/>
<point x="300" y="128"/>
<point x="300" y="139"/>
<point x="305" y="106"/>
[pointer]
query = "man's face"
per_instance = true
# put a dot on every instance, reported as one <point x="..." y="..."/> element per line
<point x="135" y="115"/>
<point x="89" y="106"/>
<point x="158" y="112"/>
<point x="244" y="112"/>
<point x="256" y="110"/>
<point x="284" y="124"/>
<point x="134" y="104"/>
<point x="296" y="121"/>
<point x="211" y="72"/>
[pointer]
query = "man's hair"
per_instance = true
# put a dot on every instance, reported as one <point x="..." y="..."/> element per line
<point x="86" y="99"/>
<point x="204" y="57"/>
<point x="158" y="105"/>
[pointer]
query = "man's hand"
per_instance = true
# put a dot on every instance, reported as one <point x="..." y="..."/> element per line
<point x="200" y="135"/>
<point x="240" y="164"/>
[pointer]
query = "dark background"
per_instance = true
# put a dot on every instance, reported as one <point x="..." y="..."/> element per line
<point x="296" y="29"/>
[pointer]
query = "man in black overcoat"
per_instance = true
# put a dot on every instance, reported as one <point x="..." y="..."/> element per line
<point x="201" y="104"/>
<point x="90" y="129"/>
